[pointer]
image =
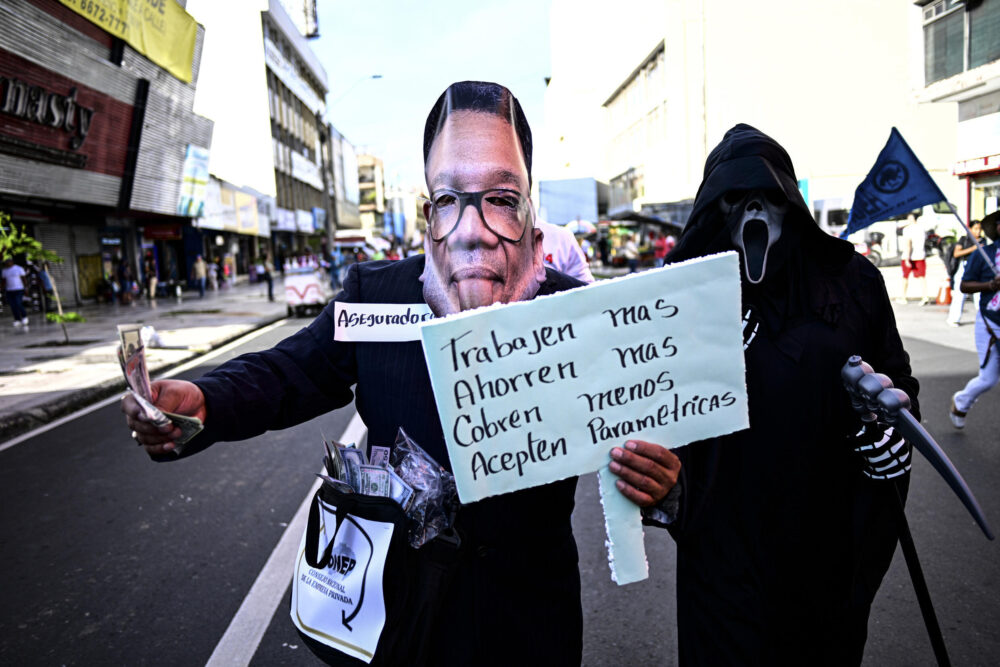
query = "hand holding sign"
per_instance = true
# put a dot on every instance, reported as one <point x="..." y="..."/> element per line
<point x="647" y="471"/>
<point x="537" y="391"/>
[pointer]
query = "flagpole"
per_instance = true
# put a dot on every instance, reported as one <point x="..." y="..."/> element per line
<point x="979" y="246"/>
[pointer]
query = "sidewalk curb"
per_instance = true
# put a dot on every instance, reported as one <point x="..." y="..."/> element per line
<point x="20" y="423"/>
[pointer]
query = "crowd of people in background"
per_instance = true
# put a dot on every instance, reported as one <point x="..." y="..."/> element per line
<point x="629" y="250"/>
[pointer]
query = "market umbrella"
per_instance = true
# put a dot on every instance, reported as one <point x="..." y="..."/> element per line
<point x="580" y="227"/>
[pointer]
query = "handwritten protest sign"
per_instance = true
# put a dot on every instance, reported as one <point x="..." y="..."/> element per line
<point x="533" y="392"/>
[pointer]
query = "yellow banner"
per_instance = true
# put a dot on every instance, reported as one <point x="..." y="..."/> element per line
<point x="159" y="29"/>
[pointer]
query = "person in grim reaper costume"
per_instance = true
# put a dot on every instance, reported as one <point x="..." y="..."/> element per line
<point x="786" y="529"/>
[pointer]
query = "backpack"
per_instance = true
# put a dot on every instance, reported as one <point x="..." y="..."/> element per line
<point x="950" y="261"/>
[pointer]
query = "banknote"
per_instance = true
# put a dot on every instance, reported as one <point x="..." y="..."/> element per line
<point x="190" y="427"/>
<point x="379" y="456"/>
<point x="134" y="370"/>
<point x="130" y="338"/>
<point x="399" y="490"/>
<point x="375" y="481"/>
<point x="333" y="461"/>
<point x="335" y="483"/>
<point x="353" y="460"/>
<point x="152" y="413"/>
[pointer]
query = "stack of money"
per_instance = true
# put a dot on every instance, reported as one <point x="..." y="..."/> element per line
<point x="350" y="471"/>
<point x="132" y="357"/>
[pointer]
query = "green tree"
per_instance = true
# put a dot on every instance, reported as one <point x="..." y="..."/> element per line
<point x="16" y="241"/>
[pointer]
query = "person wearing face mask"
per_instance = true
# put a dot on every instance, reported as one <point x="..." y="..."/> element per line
<point x="515" y="592"/>
<point x="784" y="530"/>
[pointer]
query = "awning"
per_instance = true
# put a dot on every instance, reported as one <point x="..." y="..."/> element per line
<point x="633" y="216"/>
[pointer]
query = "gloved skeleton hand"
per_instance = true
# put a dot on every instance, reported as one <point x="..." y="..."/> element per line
<point x="886" y="454"/>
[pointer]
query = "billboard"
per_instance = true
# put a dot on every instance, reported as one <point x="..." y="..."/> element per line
<point x="194" y="182"/>
<point x="159" y="29"/>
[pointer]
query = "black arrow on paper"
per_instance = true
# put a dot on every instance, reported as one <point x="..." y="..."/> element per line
<point x="344" y="618"/>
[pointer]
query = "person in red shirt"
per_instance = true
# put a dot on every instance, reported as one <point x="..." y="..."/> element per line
<point x="660" y="249"/>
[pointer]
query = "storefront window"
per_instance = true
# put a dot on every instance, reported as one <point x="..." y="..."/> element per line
<point x="985" y="197"/>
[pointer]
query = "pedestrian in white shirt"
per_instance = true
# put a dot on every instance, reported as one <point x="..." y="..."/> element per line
<point x="562" y="253"/>
<point x="914" y="258"/>
<point x="13" y="281"/>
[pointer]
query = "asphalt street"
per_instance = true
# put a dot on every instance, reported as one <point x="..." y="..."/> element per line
<point x="108" y="558"/>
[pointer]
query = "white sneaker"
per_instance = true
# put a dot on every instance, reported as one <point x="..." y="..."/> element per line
<point x="25" y="321"/>
<point x="17" y="324"/>
<point x="957" y="417"/>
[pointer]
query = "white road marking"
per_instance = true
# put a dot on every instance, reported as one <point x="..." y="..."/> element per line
<point x="187" y="365"/>
<point x="241" y="639"/>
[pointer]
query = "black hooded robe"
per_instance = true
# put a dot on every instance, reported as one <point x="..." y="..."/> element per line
<point x="782" y="541"/>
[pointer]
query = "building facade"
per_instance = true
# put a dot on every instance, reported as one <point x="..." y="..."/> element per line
<point x="672" y="76"/>
<point x="405" y="223"/>
<point x="97" y="139"/>
<point x="961" y="66"/>
<point x="342" y="179"/>
<point x="296" y="88"/>
<point x="371" y="186"/>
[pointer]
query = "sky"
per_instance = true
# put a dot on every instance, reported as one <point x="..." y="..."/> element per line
<point x="419" y="49"/>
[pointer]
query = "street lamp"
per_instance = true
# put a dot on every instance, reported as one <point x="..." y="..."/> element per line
<point x="355" y="85"/>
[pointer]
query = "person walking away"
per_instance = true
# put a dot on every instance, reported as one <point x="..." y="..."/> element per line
<point x="220" y="271"/>
<point x="213" y="276"/>
<point x="336" y="261"/>
<point x="200" y="272"/>
<point x="126" y="279"/>
<point x="13" y="282"/>
<point x="48" y="291"/>
<point x="269" y="276"/>
<point x="980" y="277"/>
<point x="660" y="249"/>
<point x="631" y="254"/>
<point x="149" y="270"/>
<point x="914" y="258"/>
<point x="963" y="248"/>
<point x="588" y="250"/>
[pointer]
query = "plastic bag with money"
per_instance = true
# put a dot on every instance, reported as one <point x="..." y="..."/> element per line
<point x="435" y="500"/>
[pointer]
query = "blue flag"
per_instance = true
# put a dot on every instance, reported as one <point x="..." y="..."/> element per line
<point x="898" y="183"/>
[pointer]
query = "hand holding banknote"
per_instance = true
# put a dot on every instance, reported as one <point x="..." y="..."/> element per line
<point x="177" y="397"/>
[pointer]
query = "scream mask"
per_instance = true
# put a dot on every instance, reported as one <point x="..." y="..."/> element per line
<point x="754" y="219"/>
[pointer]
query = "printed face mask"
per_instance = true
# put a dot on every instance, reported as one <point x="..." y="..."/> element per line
<point x="481" y="245"/>
<point x="754" y="218"/>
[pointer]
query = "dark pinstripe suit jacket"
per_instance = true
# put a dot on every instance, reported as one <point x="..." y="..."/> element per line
<point x="518" y="589"/>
